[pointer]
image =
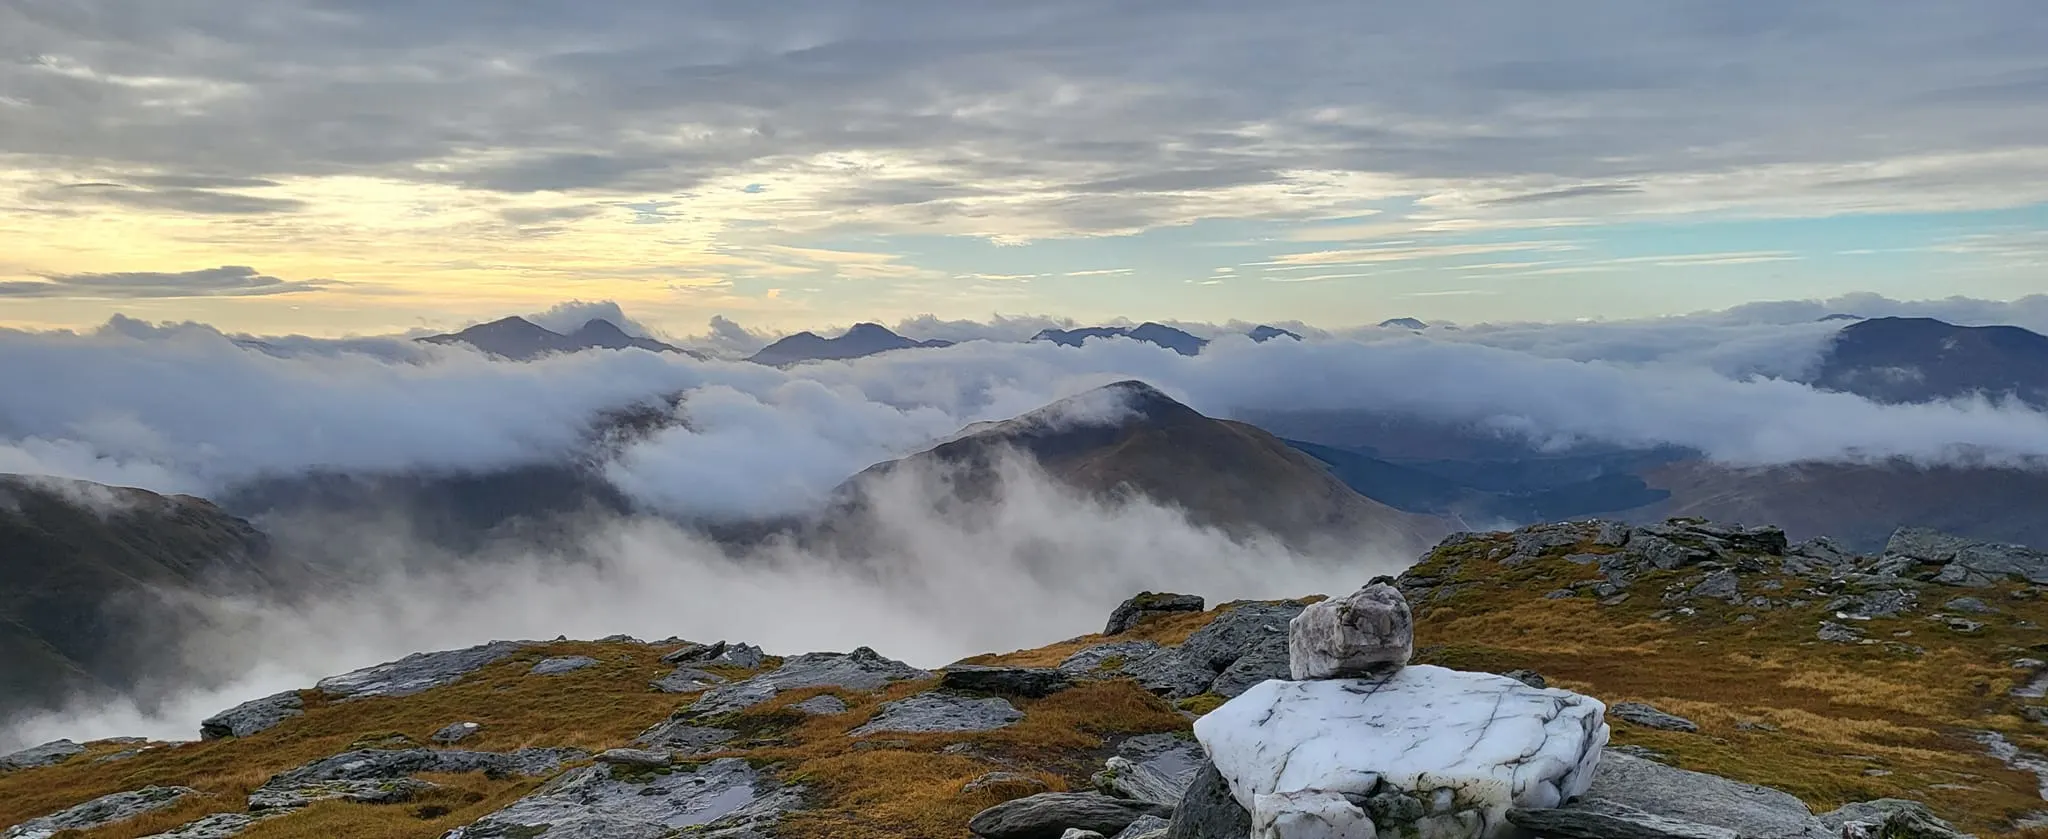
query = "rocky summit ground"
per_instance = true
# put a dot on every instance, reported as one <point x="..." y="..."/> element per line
<point x="1915" y="674"/>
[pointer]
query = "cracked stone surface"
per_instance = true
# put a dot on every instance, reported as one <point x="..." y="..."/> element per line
<point x="1753" y="812"/>
<point x="1463" y="747"/>
<point x="104" y="810"/>
<point x="942" y="711"/>
<point x="415" y="673"/>
<point x="861" y="670"/>
<point x="683" y="738"/>
<point x="382" y="775"/>
<point x="723" y="797"/>
<point x="1048" y="815"/>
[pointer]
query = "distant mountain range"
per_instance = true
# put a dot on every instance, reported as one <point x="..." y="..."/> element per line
<point x="864" y="339"/>
<point x="519" y="339"/>
<point x="1907" y="360"/>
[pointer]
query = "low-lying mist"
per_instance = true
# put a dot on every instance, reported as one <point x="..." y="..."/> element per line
<point x="1036" y="565"/>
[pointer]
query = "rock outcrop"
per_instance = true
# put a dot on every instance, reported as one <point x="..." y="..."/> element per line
<point x="47" y="754"/>
<point x="416" y="673"/>
<point x="1148" y="604"/>
<point x="723" y="798"/>
<point x="253" y="716"/>
<point x="861" y="670"/>
<point x="1419" y="750"/>
<point x="99" y="812"/>
<point x="1050" y="815"/>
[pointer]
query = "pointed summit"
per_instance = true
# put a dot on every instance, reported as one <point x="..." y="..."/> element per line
<point x="1149" y="332"/>
<point x="518" y="339"/>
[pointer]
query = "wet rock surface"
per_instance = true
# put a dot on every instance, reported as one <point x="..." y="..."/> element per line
<point x="416" y="673"/>
<point x="99" y="812"/>
<point x="1049" y="815"/>
<point x="383" y="776"/>
<point x="723" y="798"/>
<point x="939" y="711"/>
<point x="861" y="670"/>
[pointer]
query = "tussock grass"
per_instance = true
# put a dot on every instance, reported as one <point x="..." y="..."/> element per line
<point x="1839" y="709"/>
<point x="598" y="707"/>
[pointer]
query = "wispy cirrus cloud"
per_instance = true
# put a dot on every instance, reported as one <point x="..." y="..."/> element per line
<point x="224" y="281"/>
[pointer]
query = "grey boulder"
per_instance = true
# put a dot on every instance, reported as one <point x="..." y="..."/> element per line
<point x="253" y="716"/>
<point x="1152" y="767"/>
<point x="416" y="673"/>
<point x="1368" y="632"/>
<point x="1753" y="812"/>
<point x="1146" y="827"/>
<point x="939" y="711"/>
<point x="101" y="811"/>
<point x="1031" y="682"/>
<point x="633" y="758"/>
<point x="558" y="666"/>
<point x="1149" y="604"/>
<point x="47" y="754"/>
<point x="1604" y="820"/>
<point x="361" y="791"/>
<point x="1048" y="815"/>
<point x="1208" y="811"/>
<point x="1269" y="660"/>
<point x="381" y="775"/>
<point x="1890" y="818"/>
<point x="1171" y="673"/>
<point x="456" y="732"/>
<point x="1237" y="631"/>
<point x="1647" y="716"/>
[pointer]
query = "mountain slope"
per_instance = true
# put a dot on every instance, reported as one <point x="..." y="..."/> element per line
<point x="863" y="340"/>
<point x="1905" y="360"/>
<point x="87" y="568"/>
<point x="1773" y="688"/>
<point x="1130" y="438"/>
<point x="518" y="339"/>
<point x="1148" y="332"/>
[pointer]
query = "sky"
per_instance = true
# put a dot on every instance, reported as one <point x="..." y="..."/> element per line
<point x="332" y="167"/>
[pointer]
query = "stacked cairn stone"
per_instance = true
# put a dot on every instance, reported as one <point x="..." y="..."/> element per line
<point x="1360" y="745"/>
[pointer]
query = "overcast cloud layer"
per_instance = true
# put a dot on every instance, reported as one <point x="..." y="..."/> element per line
<point x="187" y="409"/>
<point x="372" y="161"/>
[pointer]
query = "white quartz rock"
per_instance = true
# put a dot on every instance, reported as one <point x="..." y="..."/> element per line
<point x="1368" y="633"/>
<point x="1422" y="752"/>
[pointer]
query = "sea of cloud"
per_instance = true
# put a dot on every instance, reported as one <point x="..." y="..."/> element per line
<point x="185" y="408"/>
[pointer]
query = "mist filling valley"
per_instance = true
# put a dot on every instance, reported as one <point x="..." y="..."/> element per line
<point x="708" y="499"/>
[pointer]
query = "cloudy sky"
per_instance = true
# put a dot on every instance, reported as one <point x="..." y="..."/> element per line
<point x="338" y="166"/>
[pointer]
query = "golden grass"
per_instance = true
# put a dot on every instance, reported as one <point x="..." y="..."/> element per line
<point x="595" y="708"/>
<point x="907" y="785"/>
<point x="1839" y="709"/>
<point x="1830" y="723"/>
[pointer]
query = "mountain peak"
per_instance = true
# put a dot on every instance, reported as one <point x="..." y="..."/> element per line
<point x="1403" y="323"/>
<point x="601" y="328"/>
